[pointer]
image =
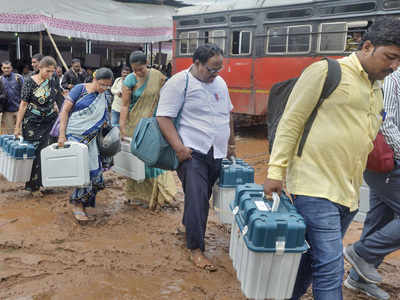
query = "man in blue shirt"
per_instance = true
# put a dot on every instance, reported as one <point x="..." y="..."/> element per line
<point x="12" y="83"/>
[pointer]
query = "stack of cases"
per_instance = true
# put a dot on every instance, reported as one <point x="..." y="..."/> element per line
<point x="232" y="174"/>
<point x="127" y="164"/>
<point x="16" y="159"/>
<point x="3" y="139"/>
<point x="68" y="166"/>
<point x="265" y="246"/>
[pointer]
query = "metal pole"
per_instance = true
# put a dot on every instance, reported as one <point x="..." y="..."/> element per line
<point x="18" y="47"/>
<point x="151" y="55"/>
<point x="57" y="51"/>
<point x="40" y="42"/>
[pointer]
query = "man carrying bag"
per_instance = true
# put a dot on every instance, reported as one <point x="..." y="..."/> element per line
<point x="205" y="130"/>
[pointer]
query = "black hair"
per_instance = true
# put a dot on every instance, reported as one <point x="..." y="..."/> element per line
<point x="103" y="73"/>
<point x="75" y="60"/>
<point x="37" y="56"/>
<point x="138" y="57"/>
<point x="126" y="68"/>
<point x="47" y="61"/>
<point x="204" y="52"/>
<point x="6" y="62"/>
<point x="385" y="31"/>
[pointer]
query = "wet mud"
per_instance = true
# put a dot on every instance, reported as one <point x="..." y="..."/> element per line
<point x="128" y="252"/>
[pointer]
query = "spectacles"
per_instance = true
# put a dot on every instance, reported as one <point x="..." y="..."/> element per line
<point x="103" y="86"/>
<point x="214" y="71"/>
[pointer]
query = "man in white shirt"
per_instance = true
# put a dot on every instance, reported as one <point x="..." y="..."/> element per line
<point x="204" y="137"/>
<point x="116" y="90"/>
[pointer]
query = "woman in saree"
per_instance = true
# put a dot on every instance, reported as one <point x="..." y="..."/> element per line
<point x="140" y="94"/>
<point x="37" y="113"/>
<point x="84" y="114"/>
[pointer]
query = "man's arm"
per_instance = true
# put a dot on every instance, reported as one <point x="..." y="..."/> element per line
<point x="126" y="100"/>
<point x="301" y="103"/>
<point x="171" y="135"/>
<point x="65" y="81"/>
<point x="391" y="100"/>
<point x="3" y="94"/>
<point x="231" y="142"/>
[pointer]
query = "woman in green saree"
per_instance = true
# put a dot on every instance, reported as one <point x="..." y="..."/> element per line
<point x="140" y="94"/>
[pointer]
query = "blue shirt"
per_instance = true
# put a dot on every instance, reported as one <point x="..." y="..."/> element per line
<point x="13" y="87"/>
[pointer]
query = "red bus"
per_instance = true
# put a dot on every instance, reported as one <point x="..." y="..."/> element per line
<point x="270" y="42"/>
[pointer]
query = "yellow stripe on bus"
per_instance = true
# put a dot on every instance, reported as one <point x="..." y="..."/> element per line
<point x="247" y="91"/>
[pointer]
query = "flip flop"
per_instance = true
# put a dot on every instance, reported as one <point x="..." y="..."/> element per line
<point x="78" y="214"/>
<point x="205" y="266"/>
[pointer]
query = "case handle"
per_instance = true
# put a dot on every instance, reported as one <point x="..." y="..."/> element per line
<point x="56" y="147"/>
<point x="277" y="200"/>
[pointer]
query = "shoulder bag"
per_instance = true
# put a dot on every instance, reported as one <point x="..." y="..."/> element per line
<point x="149" y="144"/>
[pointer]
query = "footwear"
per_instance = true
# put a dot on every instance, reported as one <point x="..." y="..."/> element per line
<point x="81" y="217"/>
<point x="202" y="262"/>
<point x="370" y="289"/>
<point x="366" y="270"/>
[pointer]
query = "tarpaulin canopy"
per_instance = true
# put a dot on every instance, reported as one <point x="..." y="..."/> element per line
<point x="104" y="20"/>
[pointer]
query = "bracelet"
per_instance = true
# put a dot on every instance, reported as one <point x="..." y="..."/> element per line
<point x="232" y="146"/>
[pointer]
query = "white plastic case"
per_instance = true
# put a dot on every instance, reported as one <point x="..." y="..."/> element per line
<point x="68" y="166"/>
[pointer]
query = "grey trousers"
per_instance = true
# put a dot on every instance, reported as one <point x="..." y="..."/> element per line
<point x="381" y="232"/>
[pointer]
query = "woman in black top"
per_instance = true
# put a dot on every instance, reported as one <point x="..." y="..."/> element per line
<point x="37" y="113"/>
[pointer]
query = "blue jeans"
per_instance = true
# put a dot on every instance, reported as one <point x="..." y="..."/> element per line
<point x="114" y="118"/>
<point x="322" y="265"/>
<point x="381" y="232"/>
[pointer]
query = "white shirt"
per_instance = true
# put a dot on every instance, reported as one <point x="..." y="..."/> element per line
<point x="391" y="124"/>
<point x="205" y="115"/>
<point x="115" y="90"/>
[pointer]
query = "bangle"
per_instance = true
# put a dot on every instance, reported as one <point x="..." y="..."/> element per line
<point x="232" y="146"/>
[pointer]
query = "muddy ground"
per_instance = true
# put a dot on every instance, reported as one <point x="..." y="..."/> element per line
<point x="129" y="252"/>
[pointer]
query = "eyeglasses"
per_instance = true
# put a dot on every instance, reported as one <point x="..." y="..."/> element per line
<point x="214" y="71"/>
<point x="103" y="86"/>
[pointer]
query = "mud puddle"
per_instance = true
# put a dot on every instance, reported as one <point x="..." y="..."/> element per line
<point x="129" y="252"/>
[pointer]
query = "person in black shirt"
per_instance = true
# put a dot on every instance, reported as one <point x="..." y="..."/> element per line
<point x="75" y="75"/>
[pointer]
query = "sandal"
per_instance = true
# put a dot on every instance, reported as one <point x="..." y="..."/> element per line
<point x="202" y="262"/>
<point x="81" y="217"/>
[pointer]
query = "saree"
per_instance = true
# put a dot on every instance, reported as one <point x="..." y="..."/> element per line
<point x="159" y="186"/>
<point x="88" y="116"/>
<point x="37" y="122"/>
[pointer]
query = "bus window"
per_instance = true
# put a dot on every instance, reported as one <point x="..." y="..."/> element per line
<point x="193" y="41"/>
<point x="299" y="13"/>
<point x="219" y="19"/>
<point x="348" y="8"/>
<point x="188" y="42"/>
<point x="218" y="37"/>
<point x="289" y="39"/>
<point x="241" y="42"/>
<point x="355" y="33"/>
<point x="277" y="40"/>
<point x="391" y="4"/>
<point x="190" y="22"/>
<point x="236" y="19"/>
<point x="332" y="37"/>
<point x="299" y="38"/>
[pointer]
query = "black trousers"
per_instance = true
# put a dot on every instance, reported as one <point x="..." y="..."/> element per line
<point x="198" y="176"/>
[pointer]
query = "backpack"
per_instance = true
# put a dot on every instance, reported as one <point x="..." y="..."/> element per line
<point x="279" y="95"/>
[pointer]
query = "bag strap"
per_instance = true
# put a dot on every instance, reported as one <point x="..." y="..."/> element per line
<point x="178" y="116"/>
<point x="331" y="82"/>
